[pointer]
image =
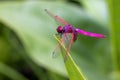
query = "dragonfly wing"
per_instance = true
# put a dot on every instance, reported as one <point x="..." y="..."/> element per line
<point x="57" y="18"/>
<point x="55" y="52"/>
<point x="68" y="43"/>
<point x="60" y="42"/>
<point x="91" y="34"/>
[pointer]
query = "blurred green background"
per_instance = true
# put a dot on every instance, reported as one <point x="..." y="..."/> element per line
<point x="27" y="42"/>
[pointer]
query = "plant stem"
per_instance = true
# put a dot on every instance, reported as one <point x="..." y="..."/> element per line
<point x="114" y="10"/>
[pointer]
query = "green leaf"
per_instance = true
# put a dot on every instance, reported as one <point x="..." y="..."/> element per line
<point x="73" y="71"/>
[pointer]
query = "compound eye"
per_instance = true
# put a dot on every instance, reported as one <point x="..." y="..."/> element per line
<point x="59" y="29"/>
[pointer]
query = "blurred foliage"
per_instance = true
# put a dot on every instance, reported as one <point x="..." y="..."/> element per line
<point x="114" y="9"/>
<point x="27" y="42"/>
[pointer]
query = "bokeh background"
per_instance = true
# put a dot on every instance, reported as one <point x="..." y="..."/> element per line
<point x="27" y="42"/>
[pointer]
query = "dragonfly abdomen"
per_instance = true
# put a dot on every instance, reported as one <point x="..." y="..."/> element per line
<point x="91" y="34"/>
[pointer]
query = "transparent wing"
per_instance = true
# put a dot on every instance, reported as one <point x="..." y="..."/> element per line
<point x="57" y="18"/>
<point x="67" y="40"/>
<point x="68" y="43"/>
<point x="57" y="48"/>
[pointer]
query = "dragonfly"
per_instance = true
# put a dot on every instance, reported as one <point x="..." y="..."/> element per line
<point x="67" y="29"/>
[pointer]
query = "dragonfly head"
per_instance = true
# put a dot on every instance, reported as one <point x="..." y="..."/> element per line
<point x="60" y="29"/>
